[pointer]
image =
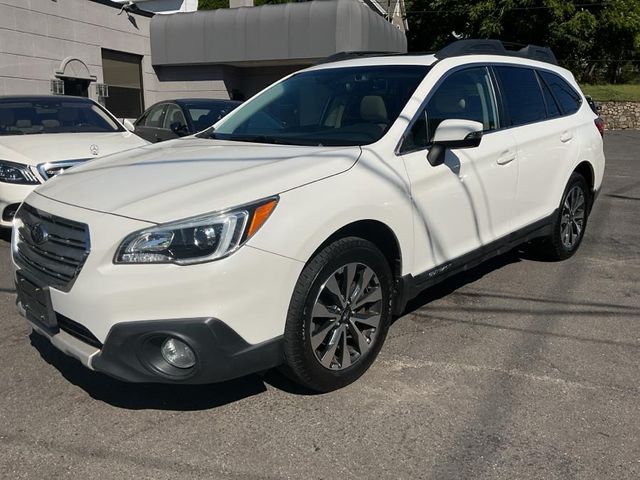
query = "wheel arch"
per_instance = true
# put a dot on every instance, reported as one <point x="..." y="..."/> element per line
<point x="375" y="231"/>
<point x="585" y="169"/>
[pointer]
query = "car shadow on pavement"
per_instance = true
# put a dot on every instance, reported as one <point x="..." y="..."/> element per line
<point x="141" y="396"/>
<point x="461" y="279"/>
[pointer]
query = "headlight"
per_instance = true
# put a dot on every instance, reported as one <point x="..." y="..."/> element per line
<point x="17" y="173"/>
<point x="198" y="239"/>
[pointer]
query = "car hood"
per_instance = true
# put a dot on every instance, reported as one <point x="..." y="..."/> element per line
<point x="50" y="147"/>
<point x="186" y="177"/>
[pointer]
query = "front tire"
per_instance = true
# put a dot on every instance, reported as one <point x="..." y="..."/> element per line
<point x="570" y="222"/>
<point x="339" y="315"/>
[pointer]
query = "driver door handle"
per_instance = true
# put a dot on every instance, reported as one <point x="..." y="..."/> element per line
<point x="507" y="156"/>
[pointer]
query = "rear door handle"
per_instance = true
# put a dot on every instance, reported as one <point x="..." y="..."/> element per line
<point x="505" y="157"/>
<point x="566" y="137"/>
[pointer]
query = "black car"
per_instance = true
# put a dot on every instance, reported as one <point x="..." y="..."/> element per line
<point x="177" y="118"/>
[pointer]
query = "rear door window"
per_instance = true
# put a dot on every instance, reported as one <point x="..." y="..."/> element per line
<point x="568" y="98"/>
<point x="522" y="95"/>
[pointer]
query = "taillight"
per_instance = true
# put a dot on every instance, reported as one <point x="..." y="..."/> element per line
<point x="600" y="125"/>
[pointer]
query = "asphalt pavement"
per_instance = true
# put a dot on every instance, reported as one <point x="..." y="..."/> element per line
<point x="519" y="369"/>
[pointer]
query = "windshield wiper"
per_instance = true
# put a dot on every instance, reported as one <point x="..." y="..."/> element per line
<point x="255" y="139"/>
<point x="208" y="133"/>
<point x="260" y="139"/>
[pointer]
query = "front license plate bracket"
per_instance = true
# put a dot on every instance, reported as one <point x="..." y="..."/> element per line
<point x="36" y="302"/>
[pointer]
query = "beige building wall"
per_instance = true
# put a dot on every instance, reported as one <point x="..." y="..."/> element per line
<point x="37" y="35"/>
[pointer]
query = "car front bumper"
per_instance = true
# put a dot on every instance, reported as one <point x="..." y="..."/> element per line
<point x="231" y="312"/>
<point x="131" y="351"/>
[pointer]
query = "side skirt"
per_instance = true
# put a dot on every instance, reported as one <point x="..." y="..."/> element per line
<point x="409" y="286"/>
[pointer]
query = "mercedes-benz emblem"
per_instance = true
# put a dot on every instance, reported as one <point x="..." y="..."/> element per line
<point x="39" y="234"/>
<point x="94" y="149"/>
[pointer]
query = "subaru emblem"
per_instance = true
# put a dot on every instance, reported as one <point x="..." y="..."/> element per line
<point x="94" y="149"/>
<point x="39" y="234"/>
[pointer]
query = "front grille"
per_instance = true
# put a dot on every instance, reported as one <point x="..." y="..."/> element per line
<point x="51" y="248"/>
<point x="76" y="330"/>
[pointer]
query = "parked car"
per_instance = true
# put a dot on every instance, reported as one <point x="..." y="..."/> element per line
<point x="41" y="136"/>
<point x="178" y="118"/>
<point x="290" y="232"/>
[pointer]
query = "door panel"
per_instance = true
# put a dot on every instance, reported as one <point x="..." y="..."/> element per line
<point x="464" y="203"/>
<point x="547" y="142"/>
<point x="545" y="152"/>
<point x="468" y="201"/>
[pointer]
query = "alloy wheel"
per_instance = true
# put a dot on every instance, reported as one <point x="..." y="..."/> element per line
<point x="346" y="316"/>
<point x="573" y="217"/>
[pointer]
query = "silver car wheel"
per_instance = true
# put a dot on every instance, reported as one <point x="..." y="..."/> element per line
<point x="346" y="316"/>
<point x="573" y="216"/>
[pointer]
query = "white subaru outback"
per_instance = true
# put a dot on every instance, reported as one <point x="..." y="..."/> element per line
<point x="290" y="233"/>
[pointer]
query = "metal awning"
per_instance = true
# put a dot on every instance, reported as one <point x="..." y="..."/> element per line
<point x="285" y="34"/>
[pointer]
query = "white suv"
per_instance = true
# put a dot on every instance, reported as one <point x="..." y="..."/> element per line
<point x="290" y="233"/>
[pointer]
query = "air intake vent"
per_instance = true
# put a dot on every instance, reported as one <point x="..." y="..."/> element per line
<point x="76" y="330"/>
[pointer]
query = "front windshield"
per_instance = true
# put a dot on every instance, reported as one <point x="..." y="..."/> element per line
<point x="334" y="106"/>
<point x="57" y="115"/>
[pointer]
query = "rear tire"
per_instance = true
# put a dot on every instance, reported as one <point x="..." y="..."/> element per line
<point x="339" y="315"/>
<point x="570" y="221"/>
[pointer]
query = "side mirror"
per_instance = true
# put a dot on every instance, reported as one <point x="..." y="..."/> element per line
<point x="179" y="129"/>
<point x="128" y="125"/>
<point x="454" y="133"/>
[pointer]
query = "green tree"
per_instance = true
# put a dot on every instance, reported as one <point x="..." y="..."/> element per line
<point x="597" y="39"/>
<point x="212" y="4"/>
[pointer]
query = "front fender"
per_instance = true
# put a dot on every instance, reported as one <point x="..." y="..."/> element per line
<point x="307" y="216"/>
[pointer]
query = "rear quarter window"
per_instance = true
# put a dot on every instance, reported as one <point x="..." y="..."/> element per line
<point x="521" y="92"/>
<point x="553" y="110"/>
<point x="567" y="97"/>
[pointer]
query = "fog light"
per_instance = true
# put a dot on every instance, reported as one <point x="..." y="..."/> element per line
<point x="178" y="353"/>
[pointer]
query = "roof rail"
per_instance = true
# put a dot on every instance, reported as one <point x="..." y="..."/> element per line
<point x="337" y="57"/>
<point x="496" y="47"/>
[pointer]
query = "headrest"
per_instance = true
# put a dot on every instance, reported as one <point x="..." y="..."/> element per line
<point x="373" y="109"/>
<point x="23" y="123"/>
<point x="50" y="123"/>
<point x="450" y="102"/>
<point x="177" y="117"/>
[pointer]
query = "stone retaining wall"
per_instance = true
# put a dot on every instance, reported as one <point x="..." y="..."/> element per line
<point x="620" y="115"/>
